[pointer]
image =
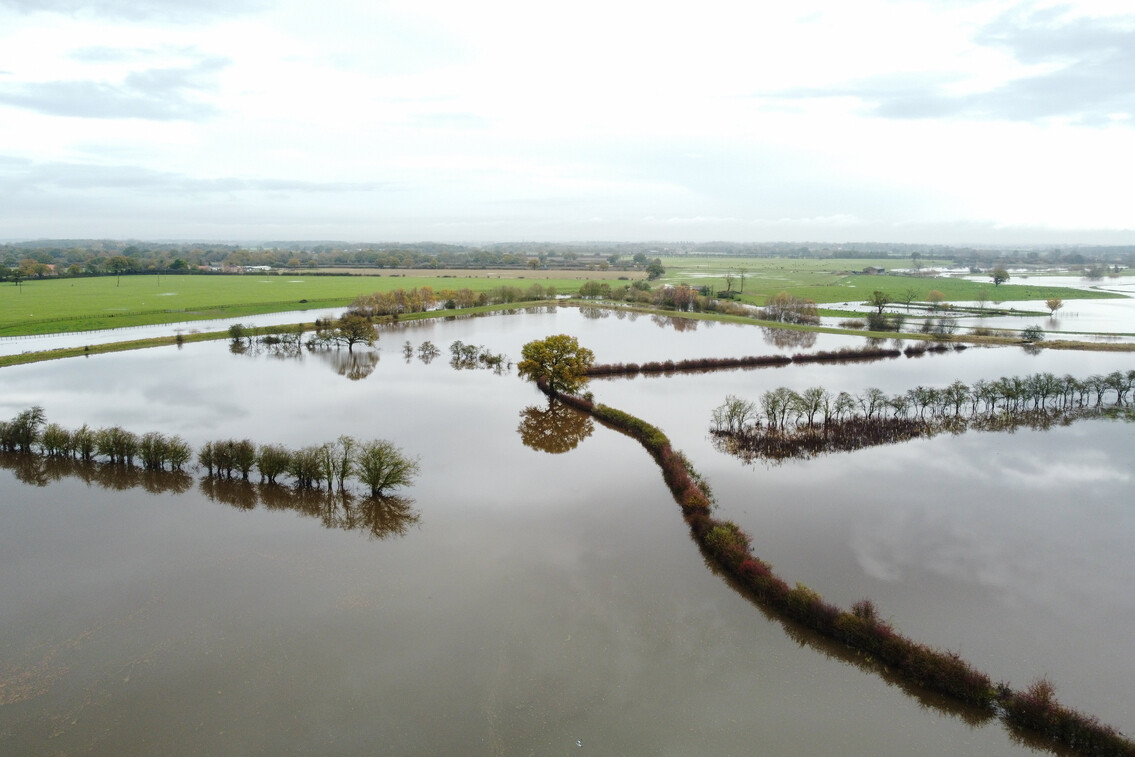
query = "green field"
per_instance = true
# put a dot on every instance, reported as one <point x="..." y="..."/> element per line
<point x="52" y="306"/>
<point x="83" y="304"/>
<point x="837" y="281"/>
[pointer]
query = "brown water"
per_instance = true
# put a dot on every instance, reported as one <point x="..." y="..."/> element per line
<point x="540" y="590"/>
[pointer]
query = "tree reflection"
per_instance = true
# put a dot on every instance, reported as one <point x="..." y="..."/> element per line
<point x="674" y="322"/>
<point x="972" y="716"/>
<point x="233" y="492"/>
<point x="378" y="517"/>
<point x="788" y="338"/>
<point x="385" y="516"/>
<point x="40" y="470"/>
<point x="352" y="365"/>
<point x="554" y="429"/>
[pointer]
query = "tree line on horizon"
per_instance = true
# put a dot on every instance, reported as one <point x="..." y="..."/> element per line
<point x="90" y="255"/>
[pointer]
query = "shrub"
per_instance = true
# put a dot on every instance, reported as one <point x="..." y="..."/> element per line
<point x="178" y="452"/>
<point x="305" y="468"/>
<point x="23" y="431"/>
<point x="243" y="455"/>
<point x="55" y="440"/>
<point x="152" y="449"/>
<point x="117" y="443"/>
<point x="725" y="538"/>
<point x="207" y="458"/>
<point x="382" y="466"/>
<point x="878" y="322"/>
<point x="223" y="458"/>
<point x="809" y="608"/>
<point x="83" y="442"/>
<point x="272" y="460"/>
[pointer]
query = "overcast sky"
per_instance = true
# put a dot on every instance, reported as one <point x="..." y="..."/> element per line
<point x="818" y="120"/>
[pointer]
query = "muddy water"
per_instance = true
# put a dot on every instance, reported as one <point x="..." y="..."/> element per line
<point x="528" y="600"/>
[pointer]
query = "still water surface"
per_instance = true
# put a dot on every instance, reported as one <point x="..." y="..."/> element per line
<point x="526" y="602"/>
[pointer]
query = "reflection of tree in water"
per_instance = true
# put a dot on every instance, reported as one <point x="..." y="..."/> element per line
<point x="380" y="517"/>
<point x="674" y="322"/>
<point x="230" y="491"/>
<point x="788" y="338"/>
<point x="40" y="470"/>
<point x="972" y="716"/>
<point x="594" y="314"/>
<point x="554" y="429"/>
<point x="836" y="650"/>
<point x="385" y="516"/>
<point x="353" y="365"/>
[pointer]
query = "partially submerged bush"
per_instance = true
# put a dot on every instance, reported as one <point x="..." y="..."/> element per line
<point x="382" y="467"/>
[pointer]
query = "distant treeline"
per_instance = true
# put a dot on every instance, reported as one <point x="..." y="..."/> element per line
<point x="85" y="258"/>
<point x="90" y="255"/>
<point x="378" y="464"/>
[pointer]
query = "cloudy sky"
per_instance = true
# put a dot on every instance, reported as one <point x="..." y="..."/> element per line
<point x="818" y="120"/>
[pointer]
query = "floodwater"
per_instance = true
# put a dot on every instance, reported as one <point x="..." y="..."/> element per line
<point x="1088" y="320"/>
<point x="537" y="591"/>
<point x="14" y="345"/>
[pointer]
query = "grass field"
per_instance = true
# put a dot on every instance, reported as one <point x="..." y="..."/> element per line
<point x="52" y="306"/>
<point x="836" y="281"/>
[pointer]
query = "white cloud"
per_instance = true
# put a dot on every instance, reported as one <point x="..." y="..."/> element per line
<point x="743" y="122"/>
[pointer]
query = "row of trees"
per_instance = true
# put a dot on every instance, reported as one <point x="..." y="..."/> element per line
<point x="784" y="410"/>
<point x="347" y="331"/>
<point x="1034" y="711"/>
<point x="378" y="464"/>
<point x="466" y="356"/>
<point x="378" y="517"/>
<point x="406" y="301"/>
<point x="91" y="257"/>
<point x="28" y="433"/>
<point x="680" y="297"/>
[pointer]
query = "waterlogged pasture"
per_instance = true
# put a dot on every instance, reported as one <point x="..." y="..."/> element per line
<point x="535" y="601"/>
<point x="1079" y="319"/>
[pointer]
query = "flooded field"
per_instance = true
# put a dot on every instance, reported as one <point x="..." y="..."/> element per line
<point x="1106" y="320"/>
<point x="538" y="591"/>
